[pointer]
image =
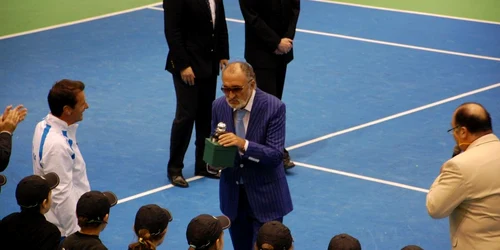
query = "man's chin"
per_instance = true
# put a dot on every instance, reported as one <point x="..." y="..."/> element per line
<point x="235" y="105"/>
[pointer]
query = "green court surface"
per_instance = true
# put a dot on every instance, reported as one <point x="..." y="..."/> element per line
<point x="21" y="16"/>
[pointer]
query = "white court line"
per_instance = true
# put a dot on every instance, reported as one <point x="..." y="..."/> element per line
<point x="362" y="177"/>
<point x="400" y="45"/>
<point x="156" y="190"/>
<point x="391" y="117"/>
<point x="78" y="21"/>
<point x="340" y="133"/>
<point x="376" y="41"/>
<point x="407" y="11"/>
<point x="290" y="148"/>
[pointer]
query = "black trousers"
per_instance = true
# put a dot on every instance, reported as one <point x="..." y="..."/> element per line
<point x="271" y="80"/>
<point x="194" y="108"/>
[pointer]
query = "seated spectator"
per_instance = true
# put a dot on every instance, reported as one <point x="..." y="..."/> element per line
<point x="344" y="242"/>
<point x="8" y="123"/>
<point x="150" y="227"/>
<point x="92" y="211"/>
<point x="29" y="229"/>
<point x="206" y="232"/>
<point x="274" y="235"/>
<point x="412" y="247"/>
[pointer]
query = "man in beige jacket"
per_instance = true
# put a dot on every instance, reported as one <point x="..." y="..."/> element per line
<point x="468" y="186"/>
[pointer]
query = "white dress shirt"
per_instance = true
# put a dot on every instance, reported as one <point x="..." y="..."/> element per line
<point x="212" y="10"/>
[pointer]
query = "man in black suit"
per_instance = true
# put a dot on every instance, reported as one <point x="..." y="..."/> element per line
<point x="269" y="32"/>
<point x="8" y="123"/>
<point x="196" y="33"/>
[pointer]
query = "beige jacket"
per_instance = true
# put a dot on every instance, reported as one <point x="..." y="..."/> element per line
<point x="468" y="191"/>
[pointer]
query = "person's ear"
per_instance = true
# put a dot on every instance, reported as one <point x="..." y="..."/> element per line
<point x="67" y="110"/>
<point x="45" y="203"/>
<point x="462" y="132"/>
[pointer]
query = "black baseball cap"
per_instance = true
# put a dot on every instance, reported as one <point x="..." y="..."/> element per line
<point x="344" y="242"/>
<point x="412" y="247"/>
<point x="33" y="189"/>
<point x="94" y="205"/>
<point x="276" y="234"/>
<point x="204" y="230"/>
<point x="3" y="180"/>
<point x="153" y="218"/>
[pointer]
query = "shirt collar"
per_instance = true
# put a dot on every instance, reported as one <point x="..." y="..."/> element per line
<point x="56" y="122"/>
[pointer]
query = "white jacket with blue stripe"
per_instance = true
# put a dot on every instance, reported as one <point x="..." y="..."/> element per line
<point x="55" y="149"/>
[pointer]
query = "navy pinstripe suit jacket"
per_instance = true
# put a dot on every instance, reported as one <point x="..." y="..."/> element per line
<point x="261" y="167"/>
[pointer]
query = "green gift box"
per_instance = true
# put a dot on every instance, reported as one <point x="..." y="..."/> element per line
<point x="219" y="156"/>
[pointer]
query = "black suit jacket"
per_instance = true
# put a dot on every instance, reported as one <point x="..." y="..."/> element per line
<point x="5" y="149"/>
<point x="192" y="39"/>
<point x="266" y="22"/>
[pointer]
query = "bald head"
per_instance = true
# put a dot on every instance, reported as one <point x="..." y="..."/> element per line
<point x="474" y="117"/>
<point x="240" y="68"/>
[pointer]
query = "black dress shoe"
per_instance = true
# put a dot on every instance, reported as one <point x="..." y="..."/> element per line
<point x="179" y="181"/>
<point x="287" y="163"/>
<point x="208" y="175"/>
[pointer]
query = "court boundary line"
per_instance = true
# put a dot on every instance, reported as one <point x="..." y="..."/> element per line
<point x="362" y="177"/>
<point x="401" y="45"/>
<point x="152" y="6"/>
<point x="305" y="165"/>
<point x="158" y="3"/>
<point x="394" y="116"/>
<point x="155" y="190"/>
<point x="340" y="133"/>
<point x="165" y="187"/>
<point x="51" y="27"/>
<point x="408" y="11"/>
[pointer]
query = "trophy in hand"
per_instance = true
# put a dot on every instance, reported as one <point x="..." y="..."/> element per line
<point x="217" y="156"/>
<point x="221" y="129"/>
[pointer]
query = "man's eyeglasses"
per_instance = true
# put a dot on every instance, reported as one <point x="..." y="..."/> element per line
<point x="235" y="90"/>
<point x="450" y="131"/>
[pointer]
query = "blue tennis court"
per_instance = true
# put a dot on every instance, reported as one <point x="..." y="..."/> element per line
<point x="356" y="172"/>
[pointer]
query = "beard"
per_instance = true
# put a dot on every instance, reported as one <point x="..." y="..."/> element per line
<point x="236" y="103"/>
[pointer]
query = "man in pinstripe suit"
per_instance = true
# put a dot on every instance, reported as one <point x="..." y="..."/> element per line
<point x="255" y="190"/>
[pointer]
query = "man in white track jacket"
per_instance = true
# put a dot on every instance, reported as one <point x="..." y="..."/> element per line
<point x="55" y="149"/>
